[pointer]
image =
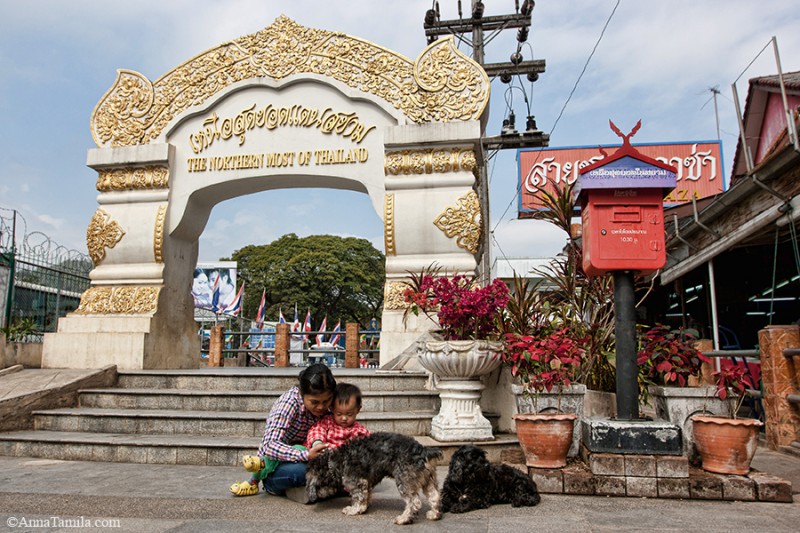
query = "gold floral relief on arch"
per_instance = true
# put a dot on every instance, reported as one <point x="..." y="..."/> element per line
<point x="133" y="178"/>
<point x="428" y="161"/>
<point x="158" y="234"/>
<point x="393" y="298"/>
<point x="119" y="300"/>
<point x="463" y="222"/>
<point x="388" y="224"/>
<point x="442" y="85"/>
<point x="103" y="232"/>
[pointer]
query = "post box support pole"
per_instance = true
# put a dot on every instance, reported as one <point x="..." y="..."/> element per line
<point x="627" y="369"/>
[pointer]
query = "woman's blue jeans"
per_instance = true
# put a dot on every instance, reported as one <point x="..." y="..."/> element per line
<point x="287" y="475"/>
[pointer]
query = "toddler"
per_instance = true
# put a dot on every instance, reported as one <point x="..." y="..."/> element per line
<point x="331" y="431"/>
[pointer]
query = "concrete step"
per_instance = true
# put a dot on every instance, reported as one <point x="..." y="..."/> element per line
<point x="241" y="400"/>
<point x="265" y="379"/>
<point x="208" y="423"/>
<point x="209" y="416"/>
<point x="185" y="449"/>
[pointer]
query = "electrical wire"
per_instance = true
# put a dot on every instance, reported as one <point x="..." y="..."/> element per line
<point x="753" y="61"/>
<point x="586" y="65"/>
<point x="564" y="107"/>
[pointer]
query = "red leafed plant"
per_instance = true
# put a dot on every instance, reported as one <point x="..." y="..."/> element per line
<point x="543" y="360"/>
<point x="668" y="357"/>
<point x="732" y="381"/>
<point x="465" y="310"/>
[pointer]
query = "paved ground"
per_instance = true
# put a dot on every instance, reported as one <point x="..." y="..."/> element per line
<point x="46" y="495"/>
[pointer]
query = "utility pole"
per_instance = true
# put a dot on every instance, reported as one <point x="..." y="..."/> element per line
<point x="714" y="92"/>
<point x="509" y="139"/>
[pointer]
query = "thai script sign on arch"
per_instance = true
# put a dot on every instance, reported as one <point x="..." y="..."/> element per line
<point x="699" y="166"/>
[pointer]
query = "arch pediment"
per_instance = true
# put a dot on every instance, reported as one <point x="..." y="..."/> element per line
<point x="442" y="85"/>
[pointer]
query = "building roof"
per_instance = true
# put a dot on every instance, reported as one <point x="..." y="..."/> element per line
<point x="754" y="113"/>
<point x="504" y="268"/>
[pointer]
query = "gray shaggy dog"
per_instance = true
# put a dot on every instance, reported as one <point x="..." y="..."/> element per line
<point x="359" y="465"/>
<point x="474" y="483"/>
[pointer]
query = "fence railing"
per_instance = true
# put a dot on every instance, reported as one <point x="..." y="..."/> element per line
<point x="283" y="354"/>
<point x="40" y="280"/>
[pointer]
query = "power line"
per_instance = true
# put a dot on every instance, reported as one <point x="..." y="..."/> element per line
<point x="586" y="65"/>
<point x="564" y="107"/>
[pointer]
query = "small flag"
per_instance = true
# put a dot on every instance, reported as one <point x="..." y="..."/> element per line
<point x="307" y="325"/>
<point x="281" y="320"/>
<point x="235" y="307"/>
<point x="296" y="325"/>
<point x="215" y="297"/>
<point x="321" y="336"/>
<point x="336" y="329"/>
<point x="262" y="310"/>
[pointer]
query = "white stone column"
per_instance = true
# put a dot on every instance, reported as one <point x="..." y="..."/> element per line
<point x="431" y="216"/>
<point x="136" y="314"/>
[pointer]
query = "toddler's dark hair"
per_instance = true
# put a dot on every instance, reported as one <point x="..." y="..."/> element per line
<point x="345" y="391"/>
<point x="317" y="379"/>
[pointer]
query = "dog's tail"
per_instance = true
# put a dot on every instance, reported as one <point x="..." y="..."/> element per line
<point x="432" y="455"/>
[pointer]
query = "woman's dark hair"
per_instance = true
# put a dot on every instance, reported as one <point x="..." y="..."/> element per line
<point x="317" y="379"/>
<point x="345" y="391"/>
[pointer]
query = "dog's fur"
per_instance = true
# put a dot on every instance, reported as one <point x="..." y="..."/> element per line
<point x="361" y="464"/>
<point x="474" y="483"/>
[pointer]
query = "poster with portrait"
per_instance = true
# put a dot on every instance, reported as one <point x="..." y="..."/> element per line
<point x="208" y="275"/>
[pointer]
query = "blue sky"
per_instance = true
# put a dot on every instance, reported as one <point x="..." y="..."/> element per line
<point x="656" y="62"/>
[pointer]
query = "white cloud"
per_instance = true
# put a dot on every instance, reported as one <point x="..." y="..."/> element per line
<point x="656" y="62"/>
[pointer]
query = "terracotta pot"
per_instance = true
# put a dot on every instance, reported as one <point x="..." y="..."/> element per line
<point x="726" y="445"/>
<point x="545" y="438"/>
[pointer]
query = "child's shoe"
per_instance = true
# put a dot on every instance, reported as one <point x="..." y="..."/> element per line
<point x="252" y="463"/>
<point x="245" y="488"/>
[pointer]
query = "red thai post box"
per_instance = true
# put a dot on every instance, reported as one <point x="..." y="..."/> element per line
<point x="622" y="212"/>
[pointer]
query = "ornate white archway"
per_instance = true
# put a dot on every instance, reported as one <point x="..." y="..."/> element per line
<point x="285" y="107"/>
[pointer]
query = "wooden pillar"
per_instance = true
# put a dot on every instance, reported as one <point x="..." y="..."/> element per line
<point x="282" y="345"/>
<point x="779" y="376"/>
<point x="706" y="369"/>
<point x="215" y="346"/>
<point x="351" y="342"/>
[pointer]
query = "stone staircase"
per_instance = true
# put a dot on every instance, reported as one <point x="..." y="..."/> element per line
<point x="209" y="416"/>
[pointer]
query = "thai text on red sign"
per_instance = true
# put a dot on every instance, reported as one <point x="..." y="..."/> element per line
<point x="699" y="166"/>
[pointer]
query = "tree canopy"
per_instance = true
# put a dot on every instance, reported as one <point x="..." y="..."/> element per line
<point x="338" y="277"/>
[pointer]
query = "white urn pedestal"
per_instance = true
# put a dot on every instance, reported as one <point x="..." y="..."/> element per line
<point x="458" y="367"/>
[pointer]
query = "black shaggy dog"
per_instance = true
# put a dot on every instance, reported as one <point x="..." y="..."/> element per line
<point x="474" y="483"/>
<point x="361" y="464"/>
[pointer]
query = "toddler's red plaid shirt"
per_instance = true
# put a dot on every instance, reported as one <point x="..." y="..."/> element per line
<point x="326" y="430"/>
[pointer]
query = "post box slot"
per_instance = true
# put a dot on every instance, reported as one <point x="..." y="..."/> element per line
<point x="626" y="214"/>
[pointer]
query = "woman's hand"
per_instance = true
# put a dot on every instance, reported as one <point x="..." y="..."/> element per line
<point x="317" y="449"/>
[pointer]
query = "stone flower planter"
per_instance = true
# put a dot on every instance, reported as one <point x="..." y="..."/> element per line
<point x="458" y="366"/>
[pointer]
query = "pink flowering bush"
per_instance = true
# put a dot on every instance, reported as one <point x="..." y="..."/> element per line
<point x="464" y="309"/>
